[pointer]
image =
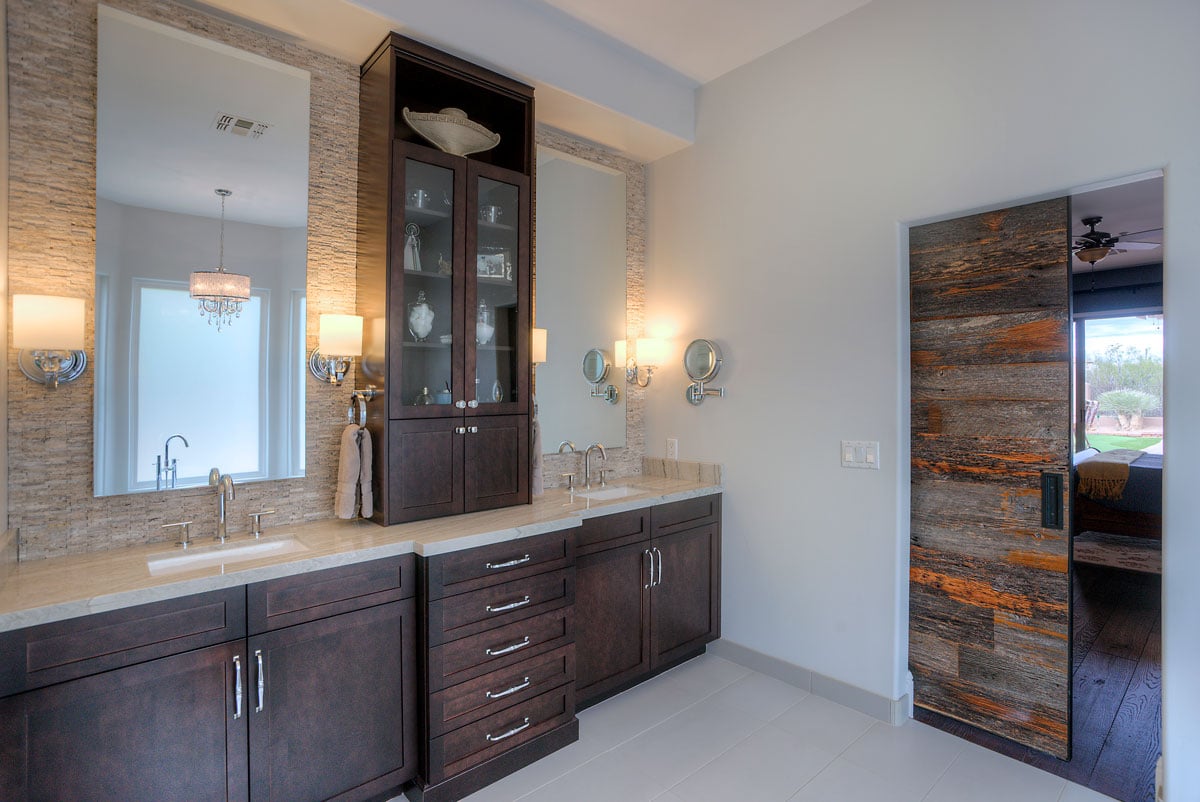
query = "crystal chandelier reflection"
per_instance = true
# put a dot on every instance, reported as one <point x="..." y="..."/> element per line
<point x="219" y="293"/>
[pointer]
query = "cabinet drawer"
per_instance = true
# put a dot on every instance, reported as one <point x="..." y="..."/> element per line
<point x="472" y="569"/>
<point x="473" y="744"/>
<point x="470" y="701"/>
<point x="64" y="650"/>
<point x="319" y="594"/>
<point x="612" y="531"/>
<point x="467" y="658"/>
<point x="469" y="613"/>
<point x="688" y="514"/>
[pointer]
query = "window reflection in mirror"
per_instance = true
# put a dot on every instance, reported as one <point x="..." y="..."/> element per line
<point x="581" y="267"/>
<point x="177" y="117"/>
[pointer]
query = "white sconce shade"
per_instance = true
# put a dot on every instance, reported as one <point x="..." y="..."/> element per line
<point x="619" y="353"/>
<point x="537" y="346"/>
<point x="340" y="335"/>
<point x="48" y="323"/>
<point x="339" y="340"/>
<point x="48" y="330"/>
<point x="651" y="351"/>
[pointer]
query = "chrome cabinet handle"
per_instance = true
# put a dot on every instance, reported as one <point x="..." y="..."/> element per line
<point x="659" y="553"/>
<point x="460" y="404"/>
<point x="473" y="429"/>
<point x="650" y="574"/>
<point x="237" y="686"/>
<point x="504" y="608"/>
<point x="524" y="726"/>
<point x="460" y="429"/>
<point x="473" y="403"/>
<point x="509" y="564"/>
<point x="509" y="691"/>
<point x="521" y="644"/>
<point x="262" y="681"/>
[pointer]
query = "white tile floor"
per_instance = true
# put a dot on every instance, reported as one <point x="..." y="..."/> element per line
<point x="713" y="730"/>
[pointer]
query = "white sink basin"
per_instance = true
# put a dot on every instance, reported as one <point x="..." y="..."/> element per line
<point x="208" y="556"/>
<point x="608" y="493"/>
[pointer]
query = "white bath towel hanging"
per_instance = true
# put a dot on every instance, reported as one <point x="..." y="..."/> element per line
<point x="345" y="498"/>
<point x="364" y="472"/>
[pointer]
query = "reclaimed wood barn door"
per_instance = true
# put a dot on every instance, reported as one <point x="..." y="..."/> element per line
<point x="989" y="593"/>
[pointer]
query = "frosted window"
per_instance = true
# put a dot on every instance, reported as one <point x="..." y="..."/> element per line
<point x="203" y="384"/>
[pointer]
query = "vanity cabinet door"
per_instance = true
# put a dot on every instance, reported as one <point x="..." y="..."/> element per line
<point x="165" y="729"/>
<point x="336" y="713"/>
<point x="686" y="607"/>
<point x="612" y="615"/>
<point x="425" y="469"/>
<point x="496" y="462"/>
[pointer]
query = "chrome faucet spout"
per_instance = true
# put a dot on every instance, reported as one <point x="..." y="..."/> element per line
<point x="567" y="446"/>
<point x="166" y="465"/>
<point x="587" y="462"/>
<point x="223" y="484"/>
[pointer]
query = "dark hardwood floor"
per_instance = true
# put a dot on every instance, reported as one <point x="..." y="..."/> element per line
<point x="1117" y="691"/>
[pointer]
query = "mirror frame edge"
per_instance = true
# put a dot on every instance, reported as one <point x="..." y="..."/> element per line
<point x="626" y="460"/>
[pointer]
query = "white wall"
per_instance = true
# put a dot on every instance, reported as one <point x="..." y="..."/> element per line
<point x="779" y="234"/>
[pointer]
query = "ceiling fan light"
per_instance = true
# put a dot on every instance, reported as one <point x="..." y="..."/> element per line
<point x="1093" y="253"/>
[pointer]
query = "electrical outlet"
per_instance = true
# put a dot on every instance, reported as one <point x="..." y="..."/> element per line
<point x="672" y="448"/>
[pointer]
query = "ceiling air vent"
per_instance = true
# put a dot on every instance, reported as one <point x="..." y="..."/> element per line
<point x="239" y="126"/>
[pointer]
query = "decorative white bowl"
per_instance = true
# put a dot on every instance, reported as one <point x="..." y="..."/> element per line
<point x="451" y="131"/>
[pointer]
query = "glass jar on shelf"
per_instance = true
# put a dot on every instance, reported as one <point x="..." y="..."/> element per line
<point x="420" y="317"/>
<point x="485" y="323"/>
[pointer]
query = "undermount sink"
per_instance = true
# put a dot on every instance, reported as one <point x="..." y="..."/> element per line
<point x="208" y="556"/>
<point x="608" y="493"/>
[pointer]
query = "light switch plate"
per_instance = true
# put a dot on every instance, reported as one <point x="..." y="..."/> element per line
<point x="860" y="454"/>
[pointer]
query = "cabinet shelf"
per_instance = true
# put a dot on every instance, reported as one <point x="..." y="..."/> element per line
<point x="430" y="274"/>
<point x="424" y="216"/>
<point x="498" y="227"/>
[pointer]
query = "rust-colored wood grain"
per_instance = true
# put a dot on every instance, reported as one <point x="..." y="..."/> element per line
<point x="989" y="633"/>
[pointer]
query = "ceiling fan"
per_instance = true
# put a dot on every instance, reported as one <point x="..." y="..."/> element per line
<point x="1092" y="245"/>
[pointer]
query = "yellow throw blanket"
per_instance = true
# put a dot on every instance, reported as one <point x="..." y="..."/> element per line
<point x="1104" y="475"/>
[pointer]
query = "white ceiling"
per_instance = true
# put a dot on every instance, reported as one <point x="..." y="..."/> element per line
<point x="1127" y="208"/>
<point x="159" y="93"/>
<point x="704" y="39"/>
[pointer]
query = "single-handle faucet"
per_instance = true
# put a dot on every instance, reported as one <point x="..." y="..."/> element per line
<point x="587" y="463"/>
<point x="165" y="466"/>
<point x="223" y="483"/>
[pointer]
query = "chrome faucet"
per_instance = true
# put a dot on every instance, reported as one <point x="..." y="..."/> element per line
<point x="587" y="462"/>
<point x="165" y="466"/>
<point x="223" y="483"/>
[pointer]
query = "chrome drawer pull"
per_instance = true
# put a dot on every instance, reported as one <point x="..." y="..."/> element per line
<point x="262" y="681"/>
<point x="650" y="582"/>
<point x="521" y="644"/>
<point x="509" y="564"/>
<point x="493" y="738"/>
<point x="504" y="608"/>
<point x="237" y="686"/>
<point x="510" y="691"/>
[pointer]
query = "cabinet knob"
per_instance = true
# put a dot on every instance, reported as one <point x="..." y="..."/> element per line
<point x="473" y="403"/>
<point x="460" y="429"/>
<point x="473" y="429"/>
<point x="460" y="404"/>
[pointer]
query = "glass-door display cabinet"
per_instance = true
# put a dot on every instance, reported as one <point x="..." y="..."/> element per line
<point x="444" y="281"/>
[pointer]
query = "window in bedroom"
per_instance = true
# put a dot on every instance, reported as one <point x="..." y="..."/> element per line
<point x="1123" y="387"/>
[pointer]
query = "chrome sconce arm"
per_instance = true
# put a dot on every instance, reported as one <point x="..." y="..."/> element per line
<point x="52" y="368"/>
<point x="633" y="374"/>
<point x="607" y="391"/>
<point x="329" y="369"/>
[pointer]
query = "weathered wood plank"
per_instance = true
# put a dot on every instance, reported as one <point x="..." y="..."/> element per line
<point x="1024" y="638"/>
<point x="1023" y="382"/>
<point x="1032" y="419"/>
<point x="1010" y="516"/>
<point x="951" y="620"/>
<point x="1018" y="590"/>
<point x="1019" y="237"/>
<point x="1016" y="719"/>
<point x="1010" y="460"/>
<point x="933" y="656"/>
<point x="1021" y="290"/>
<point x="1042" y="336"/>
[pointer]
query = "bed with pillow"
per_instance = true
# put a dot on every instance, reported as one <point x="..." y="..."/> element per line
<point x="1119" y="500"/>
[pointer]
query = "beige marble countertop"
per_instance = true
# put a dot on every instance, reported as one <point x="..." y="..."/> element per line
<point x="42" y="591"/>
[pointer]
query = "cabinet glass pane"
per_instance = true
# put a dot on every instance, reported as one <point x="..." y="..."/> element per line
<point x="428" y="240"/>
<point x="496" y="315"/>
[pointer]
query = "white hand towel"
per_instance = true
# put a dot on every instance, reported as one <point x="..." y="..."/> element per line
<point x="345" y="497"/>
<point x="364" y="474"/>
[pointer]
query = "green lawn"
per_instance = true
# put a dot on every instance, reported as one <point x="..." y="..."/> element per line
<point x="1107" y="442"/>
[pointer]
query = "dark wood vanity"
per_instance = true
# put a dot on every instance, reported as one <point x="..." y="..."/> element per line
<point x="444" y="262"/>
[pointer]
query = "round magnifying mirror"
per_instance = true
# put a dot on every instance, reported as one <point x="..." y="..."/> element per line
<point x="595" y="365"/>
<point x="702" y="360"/>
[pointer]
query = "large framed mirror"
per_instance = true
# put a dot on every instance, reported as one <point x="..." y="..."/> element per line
<point x="581" y="294"/>
<point x="178" y="390"/>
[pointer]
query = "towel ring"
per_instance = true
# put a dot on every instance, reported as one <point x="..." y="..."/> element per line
<point x="360" y="397"/>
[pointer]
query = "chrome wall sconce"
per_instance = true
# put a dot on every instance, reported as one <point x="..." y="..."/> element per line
<point x="596" y="365"/>
<point x="48" y="330"/>
<point x="338" y="342"/>
<point x="702" y="360"/>
<point x="650" y="353"/>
